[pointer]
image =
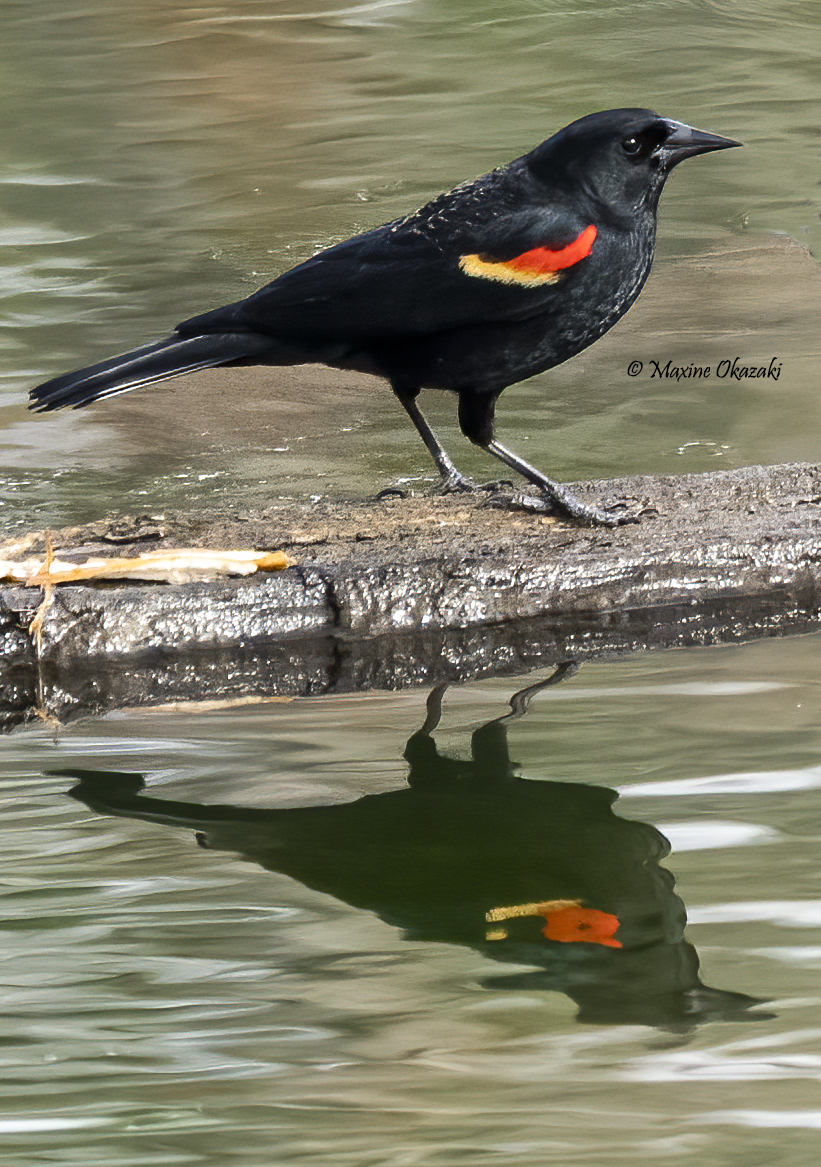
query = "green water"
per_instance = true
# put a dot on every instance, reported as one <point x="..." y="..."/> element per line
<point x="170" y="1004"/>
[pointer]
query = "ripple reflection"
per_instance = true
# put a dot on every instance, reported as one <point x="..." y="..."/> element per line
<point x="528" y="873"/>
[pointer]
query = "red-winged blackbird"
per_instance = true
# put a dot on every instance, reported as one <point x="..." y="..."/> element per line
<point x="497" y="280"/>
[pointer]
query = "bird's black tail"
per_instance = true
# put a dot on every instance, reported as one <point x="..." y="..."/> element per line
<point x="142" y="366"/>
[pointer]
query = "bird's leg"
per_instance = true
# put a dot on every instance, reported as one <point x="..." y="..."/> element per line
<point x="521" y="699"/>
<point x="476" y="421"/>
<point x="489" y="741"/>
<point x="452" y="480"/>
<point x="433" y="709"/>
<point x="562" y="498"/>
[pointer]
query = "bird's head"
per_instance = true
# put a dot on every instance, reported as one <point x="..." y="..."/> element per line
<point x="619" y="158"/>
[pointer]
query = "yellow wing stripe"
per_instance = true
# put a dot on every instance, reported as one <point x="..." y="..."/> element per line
<point x="474" y="265"/>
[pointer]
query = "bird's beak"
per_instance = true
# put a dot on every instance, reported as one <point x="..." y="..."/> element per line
<point x="685" y="141"/>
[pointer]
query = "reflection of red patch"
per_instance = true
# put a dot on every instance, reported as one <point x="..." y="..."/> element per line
<point x="588" y="925"/>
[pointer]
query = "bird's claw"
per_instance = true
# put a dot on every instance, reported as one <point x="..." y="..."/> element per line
<point x="456" y="483"/>
<point x="576" y="511"/>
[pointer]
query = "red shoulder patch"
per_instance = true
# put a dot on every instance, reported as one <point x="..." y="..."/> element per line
<point x="538" y="266"/>
<point x="542" y="259"/>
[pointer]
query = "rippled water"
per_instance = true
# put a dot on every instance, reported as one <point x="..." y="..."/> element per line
<point x="340" y="994"/>
<point x="327" y="990"/>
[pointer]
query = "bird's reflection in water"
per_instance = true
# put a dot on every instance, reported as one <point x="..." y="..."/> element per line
<point x="528" y="872"/>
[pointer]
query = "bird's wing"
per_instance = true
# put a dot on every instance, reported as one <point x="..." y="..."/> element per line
<point x="408" y="278"/>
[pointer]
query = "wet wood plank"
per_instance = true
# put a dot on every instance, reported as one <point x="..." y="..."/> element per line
<point x="406" y="591"/>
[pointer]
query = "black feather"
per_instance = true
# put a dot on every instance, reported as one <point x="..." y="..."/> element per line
<point x="142" y="366"/>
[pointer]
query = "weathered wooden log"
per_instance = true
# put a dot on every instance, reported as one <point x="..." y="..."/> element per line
<point x="402" y="591"/>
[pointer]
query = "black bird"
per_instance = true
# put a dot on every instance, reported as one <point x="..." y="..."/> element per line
<point x="493" y="282"/>
<point x="541" y="873"/>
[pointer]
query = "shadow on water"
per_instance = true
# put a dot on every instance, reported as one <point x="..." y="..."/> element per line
<point x="534" y="873"/>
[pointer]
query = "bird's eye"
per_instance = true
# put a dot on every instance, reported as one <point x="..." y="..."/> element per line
<point x="640" y="146"/>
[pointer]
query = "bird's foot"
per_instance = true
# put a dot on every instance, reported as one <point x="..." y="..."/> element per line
<point x="457" y="483"/>
<point x="570" y="507"/>
<point x="498" y="486"/>
<point x="454" y="483"/>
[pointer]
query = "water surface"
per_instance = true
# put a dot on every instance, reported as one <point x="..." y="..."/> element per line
<point x="174" y="1002"/>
